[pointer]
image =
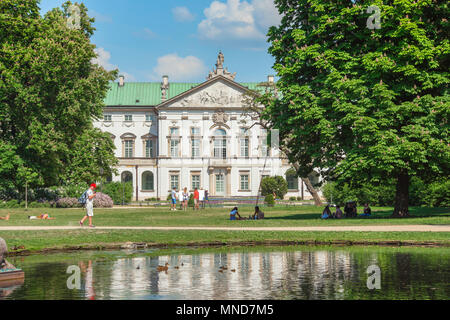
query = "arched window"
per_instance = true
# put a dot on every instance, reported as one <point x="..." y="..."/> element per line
<point x="220" y="144"/>
<point x="147" y="181"/>
<point x="127" y="176"/>
<point x="292" y="179"/>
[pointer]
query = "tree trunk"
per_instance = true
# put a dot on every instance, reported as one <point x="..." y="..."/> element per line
<point x="312" y="191"/>
<point x="402" y="196"/>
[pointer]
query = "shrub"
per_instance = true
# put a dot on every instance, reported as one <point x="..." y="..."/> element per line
<point x="191" y="200"/>
<point x="119" y="191"/>
<point x="102" y="200"/>
<point x="292" y="198"/>
<point x="275" y="184"/>
<point x="299" y="199"/>
<point x="67" y="203"/>
<point x="269" y="200"/>
<point x="437" y="194"/>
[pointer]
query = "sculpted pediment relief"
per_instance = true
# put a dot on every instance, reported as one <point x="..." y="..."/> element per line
<point x="218" y="95"/>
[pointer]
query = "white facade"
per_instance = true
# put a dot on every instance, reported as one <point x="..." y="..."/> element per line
<point x="199" y="138"/>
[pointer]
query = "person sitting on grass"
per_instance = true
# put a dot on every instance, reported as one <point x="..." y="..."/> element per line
<point x="326" y="214"/>
<point x="43" y="216"/>
<point x="258" y="215"/>
<point x="367" y="211"/>
<point x="5" y="218"/>
<point x="338" y="214"/>
<point x="235" y="213"/>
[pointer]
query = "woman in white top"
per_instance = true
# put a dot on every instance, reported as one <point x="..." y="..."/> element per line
<point x="185" y="198"/>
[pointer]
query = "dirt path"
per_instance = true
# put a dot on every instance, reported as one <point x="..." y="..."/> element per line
<point x="393" y="228"/>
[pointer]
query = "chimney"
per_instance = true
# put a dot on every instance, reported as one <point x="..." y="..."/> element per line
<point x="271" y="79"/>
<point x="164" y="88"/>
<point x="121" y="81"/>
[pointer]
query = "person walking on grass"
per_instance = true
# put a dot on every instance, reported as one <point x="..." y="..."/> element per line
<point x="90" y="195"/>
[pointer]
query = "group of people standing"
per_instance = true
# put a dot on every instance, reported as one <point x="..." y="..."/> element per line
<point x="183" y="196"/>
<point x="350" y="211"/>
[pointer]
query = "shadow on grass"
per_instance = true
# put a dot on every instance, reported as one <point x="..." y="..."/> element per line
<point x="415" y="213"/>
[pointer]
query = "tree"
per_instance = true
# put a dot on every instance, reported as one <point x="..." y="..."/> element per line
<point x="50" y="91"/>
<point x="276" y="184"/>
<point x="357" y="102"/>
<point x="254" y="103"/>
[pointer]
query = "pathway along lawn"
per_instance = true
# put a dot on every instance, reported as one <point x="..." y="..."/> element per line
<point x="35" y="241"/>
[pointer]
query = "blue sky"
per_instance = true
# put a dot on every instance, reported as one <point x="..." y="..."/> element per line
<point x="146" y="39"/>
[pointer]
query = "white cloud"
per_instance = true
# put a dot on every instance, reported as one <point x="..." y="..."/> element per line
<point x="182" y="14"/>
<point x="179" y="68"/>
<point x="103" y="58"/>
<point x="238" y="20"/>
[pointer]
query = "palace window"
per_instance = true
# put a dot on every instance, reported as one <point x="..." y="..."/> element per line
<point x="174" y="181"/>
<point x="128" y="117"/>
<point x="129" y="146"/>
<point x="244" y="147"/>
<point x="195" y="178"/>
<point x="244" y="182"/>
<point x="149" y="149"/>
<point x="147" y="181"/>
<point x="265" y="146"/>
<point x="107" y="117"/>
<point x="292" y="180"/>
<point x="220" y="144"/>
<point x="195" y="131"/>
<point x="174" y="142"/>
<point x="195" y="148"/>
<point x="150" y="118"/>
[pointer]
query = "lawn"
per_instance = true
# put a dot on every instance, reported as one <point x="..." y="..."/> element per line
<point x="279" y="216"/>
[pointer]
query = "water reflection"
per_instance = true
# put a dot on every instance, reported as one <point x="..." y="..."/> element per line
<point x="313" y="274"/>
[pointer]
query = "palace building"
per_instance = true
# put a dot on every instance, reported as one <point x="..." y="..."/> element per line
<point x="193" y="135"/>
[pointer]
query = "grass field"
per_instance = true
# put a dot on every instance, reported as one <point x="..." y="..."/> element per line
<point x="34" y="241"/>
<point x="219" y="217"/>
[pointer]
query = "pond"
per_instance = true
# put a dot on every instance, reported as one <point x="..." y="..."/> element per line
<point x="285" y="273"/>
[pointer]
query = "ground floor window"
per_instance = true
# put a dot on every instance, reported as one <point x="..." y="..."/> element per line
<point x="195" y="181"/>
<point x="147" y="181"/>
<point x="244" y="182"/>
<point x="127" y="177"/>
<point x="174" y="181"/>
<point x="292" y="180"/>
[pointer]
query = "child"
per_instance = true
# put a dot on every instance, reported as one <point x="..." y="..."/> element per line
<point x="367" y="211"/>
<point x="174" y="199"/>
<point x="185" y="198"/>
<point x="5" y="218"/>
<point x="196" y="199"/>
<point x="326" y="212"/>
<point x="338" y="214"/>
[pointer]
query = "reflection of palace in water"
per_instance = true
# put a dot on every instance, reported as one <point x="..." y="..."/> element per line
<point x="308" y="275"/>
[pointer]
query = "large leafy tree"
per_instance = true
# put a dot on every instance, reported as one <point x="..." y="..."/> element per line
<point x="363" y="103"/>
<point x="50" y="91"/>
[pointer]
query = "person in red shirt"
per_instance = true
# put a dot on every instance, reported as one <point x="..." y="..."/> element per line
<point x="196" y="199"/>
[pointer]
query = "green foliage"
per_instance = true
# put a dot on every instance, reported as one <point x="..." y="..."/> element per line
<point x="169" y="197"/>
<point x="191" y="202"/>
<point x="269" y="200"/>
<point x="49" y="93"/>
<point x="275" y="184"/>
<point x="118" y="191"/>
<point x="438" y="194"/>
<point x="355" y="102"/>
<point x="292" y="198"/>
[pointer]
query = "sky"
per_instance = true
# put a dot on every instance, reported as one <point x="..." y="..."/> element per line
<point x="146" y="39"/>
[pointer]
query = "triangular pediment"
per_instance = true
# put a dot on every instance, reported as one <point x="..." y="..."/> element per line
<point x="218" y="92"/>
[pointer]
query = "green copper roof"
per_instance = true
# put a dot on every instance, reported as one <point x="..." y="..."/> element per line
<point x="149" y="93"/>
